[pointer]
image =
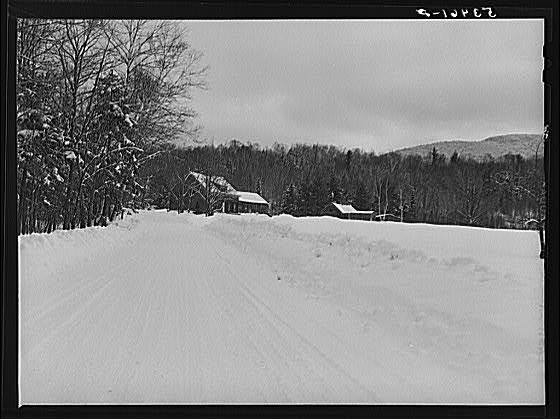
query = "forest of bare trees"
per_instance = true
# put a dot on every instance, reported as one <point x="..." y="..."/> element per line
<point x="505" y="192"/>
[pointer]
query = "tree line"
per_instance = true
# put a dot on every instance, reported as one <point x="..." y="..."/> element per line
<point x="303" y="179"/>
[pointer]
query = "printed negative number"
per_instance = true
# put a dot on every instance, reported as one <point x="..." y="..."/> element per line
<point x="477" y="12"/>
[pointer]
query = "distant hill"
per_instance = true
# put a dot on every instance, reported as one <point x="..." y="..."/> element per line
<point x="524" y="144"/>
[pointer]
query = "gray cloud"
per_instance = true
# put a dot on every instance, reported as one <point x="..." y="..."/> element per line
<point x="375" y="84"/>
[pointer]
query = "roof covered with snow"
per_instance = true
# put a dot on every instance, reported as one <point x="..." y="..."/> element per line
<point x="349" y="209"/>
<point x="250" y="197"/>
<point x="219" y="183"/>
<point x="345" y="209"/>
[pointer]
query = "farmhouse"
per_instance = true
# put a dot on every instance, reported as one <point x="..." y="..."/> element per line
<point x="347" y="211"/>
<point x="239" y="201"/>
<point x="217" y="192"/>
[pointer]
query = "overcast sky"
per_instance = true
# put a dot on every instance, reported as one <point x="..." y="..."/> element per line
<point x="379" y="85"/>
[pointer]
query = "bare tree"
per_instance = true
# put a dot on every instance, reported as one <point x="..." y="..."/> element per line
<point x="38" y="136"/>
<point x="532" y="186"/>
<point x="472" y="189"/>
<point x="160" y="69"/>
<point x="81" y="53"/>
<point x="212" y="194"/>
<point x="95" y="98"/>
<point x="383" y="173"/>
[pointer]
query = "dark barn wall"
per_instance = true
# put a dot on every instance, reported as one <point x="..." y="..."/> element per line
<point x="234" y="206"/>
<point x="250" y="207"/>
<point x="198" y="204"/>
<point x="364" y="217"/>
<point x="333" y="211"/>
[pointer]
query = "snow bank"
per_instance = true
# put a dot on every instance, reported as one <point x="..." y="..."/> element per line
<point x="74" y="245"/>
<point x="468" y="298"/>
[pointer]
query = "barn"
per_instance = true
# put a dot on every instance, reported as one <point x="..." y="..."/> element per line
<point x="224" y="197"/>
<point x="347" y="211"/>
<point x="242" y="202"/>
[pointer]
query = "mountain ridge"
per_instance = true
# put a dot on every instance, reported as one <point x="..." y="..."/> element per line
<point x="495" y="146"/>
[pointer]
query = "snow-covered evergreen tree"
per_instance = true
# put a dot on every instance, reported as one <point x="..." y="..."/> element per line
<point x="290" y="200"/>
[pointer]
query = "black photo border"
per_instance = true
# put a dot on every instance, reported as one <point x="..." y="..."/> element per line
<point x="318" y="9"/>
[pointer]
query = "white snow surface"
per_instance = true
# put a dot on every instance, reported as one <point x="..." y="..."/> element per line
<point x="168" y="308"/>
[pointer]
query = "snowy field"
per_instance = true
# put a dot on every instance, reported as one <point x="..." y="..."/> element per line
<point x="168" y="308"/>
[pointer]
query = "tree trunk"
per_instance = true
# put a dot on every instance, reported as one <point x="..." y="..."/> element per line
<point x="31" y="228"/>
<point x="104" y="207"/>
<point x="386" y="197"/>
<point x="113" y="212"/>
<point x="90" y="209"/>
<point x="66" y="223"/>
<point x="401" y="207"/>
<point x="49" y="224"/>
<point x="78" y="200"/>
<point x="22" y="203"/>
<point x="82" y="213"/>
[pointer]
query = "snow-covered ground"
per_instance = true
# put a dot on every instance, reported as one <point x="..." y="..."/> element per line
<point x="161" y="307"/>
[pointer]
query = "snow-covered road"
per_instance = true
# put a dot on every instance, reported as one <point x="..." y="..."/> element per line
<point x="174" y="308"/>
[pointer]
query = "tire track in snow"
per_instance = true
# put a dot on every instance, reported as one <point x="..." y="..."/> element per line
<point x="267" y="366"/>
<point x="194" y="379"/>
<point x="74" y="344"/>
<point x="394" y="379"/>
<point x="83" y="286"/>
<point x="274" y="319"/>
<point x="157" y="344"/>
<point x="248" y="348"/>
<point x="74" y="317"/>
<point x="135" y="329"/>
